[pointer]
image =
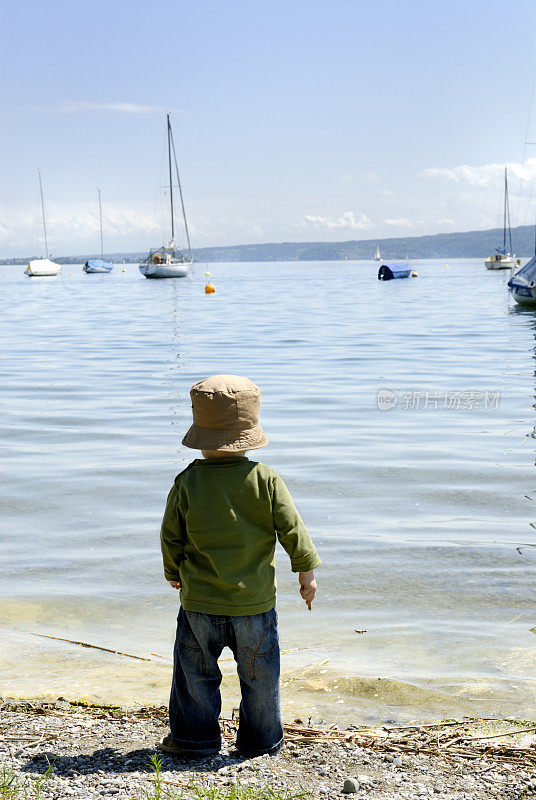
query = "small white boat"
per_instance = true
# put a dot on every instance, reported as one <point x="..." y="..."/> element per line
<point x="98" y="264"/>
<point x="522" y="285"/>
<point x="377" y="254"/>
<point x="168" y="261"/>
<point x="42" y="267"/>
<point x="503" y="259"/>
<point x="500" y="261"/>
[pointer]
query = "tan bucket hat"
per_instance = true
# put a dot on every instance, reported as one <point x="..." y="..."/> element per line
<point x="226" y="415"/>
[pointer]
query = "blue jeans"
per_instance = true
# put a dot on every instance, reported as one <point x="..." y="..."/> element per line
<point x="195" y="702"/>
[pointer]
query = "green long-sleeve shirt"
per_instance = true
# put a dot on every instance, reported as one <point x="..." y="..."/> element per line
<point x="218" y="535"/>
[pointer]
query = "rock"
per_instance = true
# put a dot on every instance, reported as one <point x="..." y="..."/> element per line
<point x="350" y="786"/>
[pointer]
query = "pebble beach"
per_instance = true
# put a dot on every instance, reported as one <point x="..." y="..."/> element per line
<point x="56" y="750"/>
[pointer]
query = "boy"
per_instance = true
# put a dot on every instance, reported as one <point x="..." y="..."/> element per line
<point x="223" y="516"/>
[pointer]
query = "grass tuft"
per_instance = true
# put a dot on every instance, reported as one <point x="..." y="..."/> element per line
<point x="12" y="786"/>
<point x="10" y="783"/>
<point x="198" y="789"/>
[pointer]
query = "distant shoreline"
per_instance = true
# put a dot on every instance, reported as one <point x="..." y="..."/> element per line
<point x="468" y="244"/>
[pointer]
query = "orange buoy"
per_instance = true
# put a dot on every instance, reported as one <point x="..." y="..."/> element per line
<point x="210" y="288"/>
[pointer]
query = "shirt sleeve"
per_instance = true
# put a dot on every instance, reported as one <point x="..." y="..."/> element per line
<point x="172" y="537"/>
<point x="291" y="531"/>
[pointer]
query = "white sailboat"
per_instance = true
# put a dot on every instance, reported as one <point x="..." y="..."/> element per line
<point x="503" y="259"/>
<point x="98" y="264"/>
<point x="377" y="254"/>
<point x="41" y="267"/>
<point x="168" y="261"/>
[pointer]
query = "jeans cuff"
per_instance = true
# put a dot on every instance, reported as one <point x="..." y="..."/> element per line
<point x="267" y="751"/>
<point x="199" y="748"/>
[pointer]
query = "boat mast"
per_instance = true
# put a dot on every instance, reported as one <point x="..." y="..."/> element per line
<point x="508" y="210"/>
<point x="505" y="202"/>
<point x="100" y="218"/>
<point x="181" y="197"/>
<point x="170" y="180"/>
<point x="43" y="212"/>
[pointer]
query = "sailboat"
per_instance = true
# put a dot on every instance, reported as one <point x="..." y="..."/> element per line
<point x="503" y="259"/>
<point x="377" y="254"/>
<point x="522" y="285"/>
<point x="96" y="264"/>
<point x="41" y="267"/>
<point x="168" y="261"/>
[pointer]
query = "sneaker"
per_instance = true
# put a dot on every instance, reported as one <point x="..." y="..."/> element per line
<point x="167" y="745"/>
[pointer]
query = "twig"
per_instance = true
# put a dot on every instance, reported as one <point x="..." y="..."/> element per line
<point x="177" y="783"/>
<point x="498" y="735"/>
<point x="22" y="738"/>
<point x="287" y="651"/>
<point x="80" y="644"/>
<point x="424" y="727"/>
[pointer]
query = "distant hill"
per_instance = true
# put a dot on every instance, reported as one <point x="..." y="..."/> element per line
<point x="470" y="244"/>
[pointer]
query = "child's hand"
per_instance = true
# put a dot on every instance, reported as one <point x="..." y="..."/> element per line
<point x="174" y="584"/>
<point x="307" y="586"/>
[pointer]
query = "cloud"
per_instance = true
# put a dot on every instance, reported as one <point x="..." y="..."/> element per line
<point x="485" y="175"/>
<point x="346" y="221"/>
<point x="123" y="108"/>
<point x="76" y="227"/>
<point x="401" y="221"/>
<point x="445" y="222"/>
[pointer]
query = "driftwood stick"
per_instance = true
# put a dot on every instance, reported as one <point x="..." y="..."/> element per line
<point x="424" y="727"/>
<point x="176" y="783"/>
<point x="498" y="735"/>
<point x="80" y="644"/>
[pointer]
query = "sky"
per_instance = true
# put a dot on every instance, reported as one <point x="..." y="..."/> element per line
<point x="294" y="120"/>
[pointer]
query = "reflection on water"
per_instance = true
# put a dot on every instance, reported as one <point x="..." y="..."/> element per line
<point x="422" y="516"/>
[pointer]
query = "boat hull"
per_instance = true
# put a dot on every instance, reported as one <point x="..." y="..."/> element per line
<point x="503" y="262"/>
<point x="92" y="267"/>
<point x="179" y="269"/>
<point x="389" y="272"/>
<point x="42" y="268"/>
<point x="524" y="295"/>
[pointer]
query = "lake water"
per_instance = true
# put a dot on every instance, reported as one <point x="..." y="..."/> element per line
<point x="424" y="514"/>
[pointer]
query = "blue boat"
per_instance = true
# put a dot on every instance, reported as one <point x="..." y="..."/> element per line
<point x="98" y="264"/>
<point x="389" y="272"/>
<point x="522" y="285"/>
